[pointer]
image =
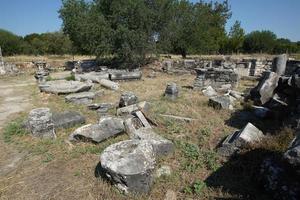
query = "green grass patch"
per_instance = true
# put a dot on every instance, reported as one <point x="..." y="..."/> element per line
<point x="14" y="128"/>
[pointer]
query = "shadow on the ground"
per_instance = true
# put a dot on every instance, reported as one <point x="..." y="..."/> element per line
<point x="240" y="118"/>
<point x="240" y="175"/>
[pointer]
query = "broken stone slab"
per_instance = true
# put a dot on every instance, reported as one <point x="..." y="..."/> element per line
<point x="143" y="106"/>
<point x="171" y="91"/>
<point x="220" y="102"/>
<point x="234" y="142"/>
<point x="40" y="123"/>
<point x="109" y="84"/>
<point x="161" y="145"/>
<point x="92" y="76"/>
<point x="186" y="119"/>
<point x="127" y="99"/>
<point x="133" y="75"/>
<point x="129" y="165"/>
<point x="292" y="155"/>
<point x="81" y="98"/>
<point x="67" y="119"/>
<point x="279" y="64"/>
<point x="209" y="92"/>
<point x="264" y="91"/>
<point x="64" y="87"/>
<point x="107" y="127"/>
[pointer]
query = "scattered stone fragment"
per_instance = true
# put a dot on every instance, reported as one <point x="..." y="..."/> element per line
<point x="279" y="64"/>
<point x="163" y="171"/>
<point x="109" y="84"/>
<point x="97" y="106"/>
<point x="209" y="92"/>
<point x="40" y="123"/>
<point x="264" y="91"/>
<point x="67" y="119"/>
<point x="292" y="155"/>
<point x="127" y="99"/>
<point x="171" y="91"/>
<point x="220" y="102"/>
<point x="234" y="142"/>
<point x="107" y="127"/>
<point x="64" y="87"/>
<point x="81" y="98"/>
<point x="143" y="106"/>
<point x="129" y="165"/>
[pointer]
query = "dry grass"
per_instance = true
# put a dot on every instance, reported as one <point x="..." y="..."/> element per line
<point x="56" y="170"/>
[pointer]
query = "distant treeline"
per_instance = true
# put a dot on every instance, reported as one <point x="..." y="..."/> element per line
<point x="35" y="44"/>
<point x="131" y="29"/>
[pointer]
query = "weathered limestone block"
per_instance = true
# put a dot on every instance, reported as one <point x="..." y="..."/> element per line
<point x="171" y="91"/>
<point x="264" y="91"/>
<point x="109" y="84"/>
<point x="209" y="92"/>
<point x="107" y="127"/>
<point x="129" y="165"/>
<point x="143" y="106"/>
<point x="133" y="75"/>
<point x="40" y="123"/>
<point x="167" y="65"/>
<point x="127" y="99"/>
<point x="220" y="102"/>
<point x="279" y="64"/>
<point x="67" y="119"/>
<point x="234" y="142"/>
<point x="64" y="87"/>
<point x="81" y="98"/>
<point x="92" y="76"/>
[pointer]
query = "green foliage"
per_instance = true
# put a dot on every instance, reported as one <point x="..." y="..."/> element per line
<point x="14" y="128"/>
<point x="71" y="78"/>
<point x="235" y="40"/>
<point x="10" y="43"/>
<point x="196" y="188"/>
<point x="260" y="41"/>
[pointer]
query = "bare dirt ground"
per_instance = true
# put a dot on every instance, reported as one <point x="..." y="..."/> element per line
<point x="13" y="99"/>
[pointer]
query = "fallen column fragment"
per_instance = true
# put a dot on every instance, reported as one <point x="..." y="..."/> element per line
<point x="107" y="127"/>
<point x="134" y="75"/>
<point x="109" y="84"/>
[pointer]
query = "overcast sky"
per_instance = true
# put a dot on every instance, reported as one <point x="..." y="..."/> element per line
<point x="37" y="16"/>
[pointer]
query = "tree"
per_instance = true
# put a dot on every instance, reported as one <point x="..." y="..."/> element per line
<point x="260" y="42"/>
<point x="10" y="43"/>
<point x="195" y="28"/>
<point x="236" y="37"/>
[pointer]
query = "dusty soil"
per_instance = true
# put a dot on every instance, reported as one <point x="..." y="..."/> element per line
<point x="14" y="98"/>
